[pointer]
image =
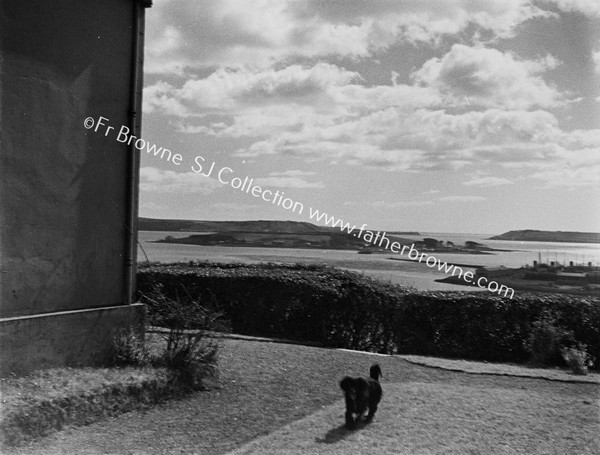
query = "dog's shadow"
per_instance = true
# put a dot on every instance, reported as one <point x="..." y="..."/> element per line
<point x="337" y="434"/>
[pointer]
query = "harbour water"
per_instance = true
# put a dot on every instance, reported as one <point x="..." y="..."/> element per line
<point x="380" y="266"/>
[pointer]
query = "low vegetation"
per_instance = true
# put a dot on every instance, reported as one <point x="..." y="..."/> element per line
<point x="339" y="308"/>
<point x="48" y="400"/>
<point x="142" y="374"/>
<point x="188" y="353"/>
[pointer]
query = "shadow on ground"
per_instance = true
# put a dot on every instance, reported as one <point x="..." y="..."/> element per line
<point x="339" y="433"/>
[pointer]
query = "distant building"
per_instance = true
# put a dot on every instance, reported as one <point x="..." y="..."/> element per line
<point x="68" y="196"/>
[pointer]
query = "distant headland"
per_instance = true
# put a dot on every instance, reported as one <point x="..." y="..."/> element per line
<point x="263" y="226"/>
<point x="531" y="235"/>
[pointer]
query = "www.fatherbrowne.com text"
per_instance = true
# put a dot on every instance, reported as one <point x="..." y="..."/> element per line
<point x="226" y="176"/>
<point x="381" y="240"/>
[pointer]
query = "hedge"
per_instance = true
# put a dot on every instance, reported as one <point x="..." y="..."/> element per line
<point x="339" y="308"/>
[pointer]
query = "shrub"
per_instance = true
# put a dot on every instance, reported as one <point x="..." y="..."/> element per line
<point x="191" y="356"/>
<point x="546" y="341"/>
<point x="578" y="358"/>
<point x="129" y="348"/>
<point x="188" y="352"/>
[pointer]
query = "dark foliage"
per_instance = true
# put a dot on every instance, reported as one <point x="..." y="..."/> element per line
<point x="339" y="308"/>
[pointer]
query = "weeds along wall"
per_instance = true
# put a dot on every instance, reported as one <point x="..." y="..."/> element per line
<point x="339" y="308"/>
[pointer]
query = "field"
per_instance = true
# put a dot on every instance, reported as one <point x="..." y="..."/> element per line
<point x="280" y="398"/>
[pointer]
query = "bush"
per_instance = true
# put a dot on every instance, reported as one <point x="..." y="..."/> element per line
<point x="129" y="348"/>
<point x="338" y="308"/>
<point x="578" y="359"/>
<point x="188" y="352"/>
<point x="546" y="341"/>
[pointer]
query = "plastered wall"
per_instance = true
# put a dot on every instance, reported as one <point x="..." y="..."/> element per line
<point x="62" y="189"/>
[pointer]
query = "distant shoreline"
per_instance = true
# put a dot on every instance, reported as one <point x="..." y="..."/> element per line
<point x="531" y="235"/>
<point x="531" y="286"/>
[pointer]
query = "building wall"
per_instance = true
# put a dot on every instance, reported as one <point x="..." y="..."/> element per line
<point x="63" y="189"/>
<point x="74" y="338"/>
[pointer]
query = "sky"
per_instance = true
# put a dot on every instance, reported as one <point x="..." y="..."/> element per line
<point x="467" y="116"/>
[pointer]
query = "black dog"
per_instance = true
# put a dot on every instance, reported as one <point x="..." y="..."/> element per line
<point x="360" y="394"/>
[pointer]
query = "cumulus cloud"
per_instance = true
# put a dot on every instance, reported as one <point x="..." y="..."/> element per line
<point x="324" y="113"/>
<point x="488" y="77"/>
<point x="237" y="33"/>
<point x="471" y="105"/>
<point x="423" y="139"/>
<point x="225" y="89"/>
<point x="254" y="103"/>
<point x="588" y="7"/>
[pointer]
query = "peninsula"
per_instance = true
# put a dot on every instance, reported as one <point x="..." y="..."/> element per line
<point x="531" y="235"/>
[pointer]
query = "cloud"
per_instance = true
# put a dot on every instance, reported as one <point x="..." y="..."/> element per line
<point x="255" y="103"/>
<point x="590" y="8"/>
<point x="487" y="77"/>
<point x="558" y="176"/>
<point x="462" y="199"/>
<point x="322" y="114"/>
<point x="286" y="182"/>
<point x="488" y="181"/>
<point x="400" y="204"/>
<point x="596" y="60"/>
<point x="576" y="162"/>
<point x="166" y="181"/>
<point x="326" y="113"/>
<point x="424" y="140"/>
<point x="292" y="173"/>
<point x="238" y="33"/>
<point x="225" y="90"/>
<point x="250" y="79"/>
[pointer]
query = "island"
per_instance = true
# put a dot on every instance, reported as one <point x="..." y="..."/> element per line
<point x="290" y="234"/>
<point x="531" y="235"/>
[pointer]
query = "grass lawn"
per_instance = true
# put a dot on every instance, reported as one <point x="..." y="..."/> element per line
<point x="279" y="398"/>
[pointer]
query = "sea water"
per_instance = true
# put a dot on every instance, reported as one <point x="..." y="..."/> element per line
<point x="380" y="266"/>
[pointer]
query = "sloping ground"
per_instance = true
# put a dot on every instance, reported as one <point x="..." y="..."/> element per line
<point x="420" y="418"/>
<point x="502" y="369"/>
<point x="49" y="400"/>
<point x="289" y="394"/>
